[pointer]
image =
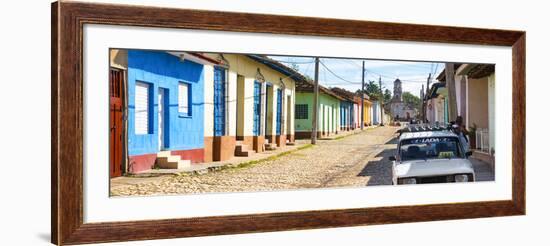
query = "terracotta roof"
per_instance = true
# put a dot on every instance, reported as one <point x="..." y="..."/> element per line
<point x="203" y="57"/>
<point x="307" y="86"/>
<point x="481" y="70"/>
<point x="279" y="67"/>
<point x="441" y="76"/>
<point x="347" y="95"/>
<point x="302" y="84"/>
<point x="476" y="72"/>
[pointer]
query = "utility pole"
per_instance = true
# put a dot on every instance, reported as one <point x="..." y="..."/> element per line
<point x="425" y="99"/>
<point x="381" y="101"/>
<point x="363" y="96"/>
<point x="451" y="88"/>
<point x="315" y="103"/>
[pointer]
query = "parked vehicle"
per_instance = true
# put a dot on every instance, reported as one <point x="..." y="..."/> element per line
<point x="431" y="156"/>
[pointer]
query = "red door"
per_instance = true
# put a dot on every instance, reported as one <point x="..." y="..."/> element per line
<point x="116" y="79"/>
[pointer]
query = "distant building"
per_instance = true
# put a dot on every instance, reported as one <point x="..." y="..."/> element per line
<point x="399" y="110"/>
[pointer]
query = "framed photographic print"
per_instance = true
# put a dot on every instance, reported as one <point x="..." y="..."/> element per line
<point x="176" y="123"/>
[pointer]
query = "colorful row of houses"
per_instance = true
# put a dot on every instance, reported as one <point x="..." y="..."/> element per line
<point x="475" y="102"/>
<point x="173" y="109"/>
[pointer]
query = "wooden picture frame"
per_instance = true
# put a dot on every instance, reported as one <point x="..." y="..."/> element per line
<point x="68" y="20"/>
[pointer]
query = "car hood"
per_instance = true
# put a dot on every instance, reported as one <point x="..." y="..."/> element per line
<point x="433" y="167"/>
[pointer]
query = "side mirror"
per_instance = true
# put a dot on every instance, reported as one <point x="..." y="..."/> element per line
<point x="468" y="153"/>
<point x="392" y="158"/>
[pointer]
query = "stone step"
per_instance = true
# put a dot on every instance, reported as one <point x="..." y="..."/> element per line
<point x="244" y="153"/>
<point x="164" y="153"/>
<point x="166" y="160"/>
<point x="184" y="164"/>
<point x="175" y="165"/>
<point x="172" y="158"/>
<point x="241" y="148"/>
<point x="270" y="146"/>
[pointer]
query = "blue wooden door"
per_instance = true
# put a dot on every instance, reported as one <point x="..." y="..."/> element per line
<point x="279" y="111"/>
<point x="266" y="115"/>
<point x="257" y="108"/>
<point x="219" y="101"/>
<point x="342" y="114"/>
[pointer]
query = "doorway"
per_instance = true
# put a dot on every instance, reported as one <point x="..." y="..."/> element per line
<point x="268" y="111"/>
<point x="288" y="116"/>
<point x="240" y="108"/>
<point x="162" y="119"/>
<point x="257" y="108"/>
<point x="116" y="81"/>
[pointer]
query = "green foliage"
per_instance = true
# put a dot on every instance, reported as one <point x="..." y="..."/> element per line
<point x="412" y="100"/>
<point x="387" y="96"/>
<point x="373" y="90"/>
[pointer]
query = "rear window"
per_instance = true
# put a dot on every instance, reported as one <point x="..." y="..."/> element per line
<point x="430" y="148"/>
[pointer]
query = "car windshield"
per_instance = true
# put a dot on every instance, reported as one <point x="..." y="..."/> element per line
<point x="430" y="148"/>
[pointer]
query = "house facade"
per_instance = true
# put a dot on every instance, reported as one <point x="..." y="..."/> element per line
<point x="475" y="95"/>
<point x="249" y="106"/>
<point x="376" y="112"/>
<point x="163" y="99"/>
<point x="328" y="111"/>
<point x="367" y="109"/>
<point x="437" y="104"/>
<point x="350" y="109"/>
<point x="475" y="103"/>
<point x="184" y="108"/>
<point x="346" y="115"/>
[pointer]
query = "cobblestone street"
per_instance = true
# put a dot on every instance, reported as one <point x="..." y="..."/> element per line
<point x="355" y="160"/>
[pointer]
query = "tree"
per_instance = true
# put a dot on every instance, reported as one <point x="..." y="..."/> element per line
<point x="372" y="89"/>
<point x="387" y="96"/>
<point x="412" y="100"/>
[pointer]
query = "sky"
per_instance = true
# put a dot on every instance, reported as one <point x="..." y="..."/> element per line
<point x="346" y="73"/>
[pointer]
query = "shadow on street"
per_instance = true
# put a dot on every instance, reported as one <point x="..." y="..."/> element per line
<point x="393" y="141"/>
<point x="379" y="171"/>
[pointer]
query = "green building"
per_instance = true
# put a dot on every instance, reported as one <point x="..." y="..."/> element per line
<point x="328" y="113"/>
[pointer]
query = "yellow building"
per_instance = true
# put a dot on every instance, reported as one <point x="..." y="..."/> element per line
<point x="367" y="110"/>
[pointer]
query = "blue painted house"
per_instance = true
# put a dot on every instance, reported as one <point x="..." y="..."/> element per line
<point x="347" y="108"/>
<point x="165" y="110"/>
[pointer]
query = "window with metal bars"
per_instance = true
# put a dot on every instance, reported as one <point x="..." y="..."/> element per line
<point x="300" y="111"/>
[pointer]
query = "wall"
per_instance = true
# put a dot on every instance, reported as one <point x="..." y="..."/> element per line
<point x="246" y="67"/>
<point x="367" y="112"/>
<point x="346" y="111"/>
<point x="118" y="58"/>
<point x="329" y="113"/>
<point x="492" y="123"/>
<point x="161" y="69"/>
<point x="376" y="113"/>
<point x="478" y="107"/>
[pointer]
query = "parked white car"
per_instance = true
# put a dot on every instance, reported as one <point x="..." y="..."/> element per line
<point x="431" y="157"/>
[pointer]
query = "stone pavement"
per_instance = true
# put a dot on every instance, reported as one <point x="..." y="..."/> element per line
<point x="357" y="160"/>
<point x="323" y="165"/>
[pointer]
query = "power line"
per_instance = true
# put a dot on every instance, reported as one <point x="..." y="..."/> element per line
<point x="337" y="76"/>
<point x="294" y="62"/>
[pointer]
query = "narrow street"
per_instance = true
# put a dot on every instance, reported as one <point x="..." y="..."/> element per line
<point x="356" y="160"/>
